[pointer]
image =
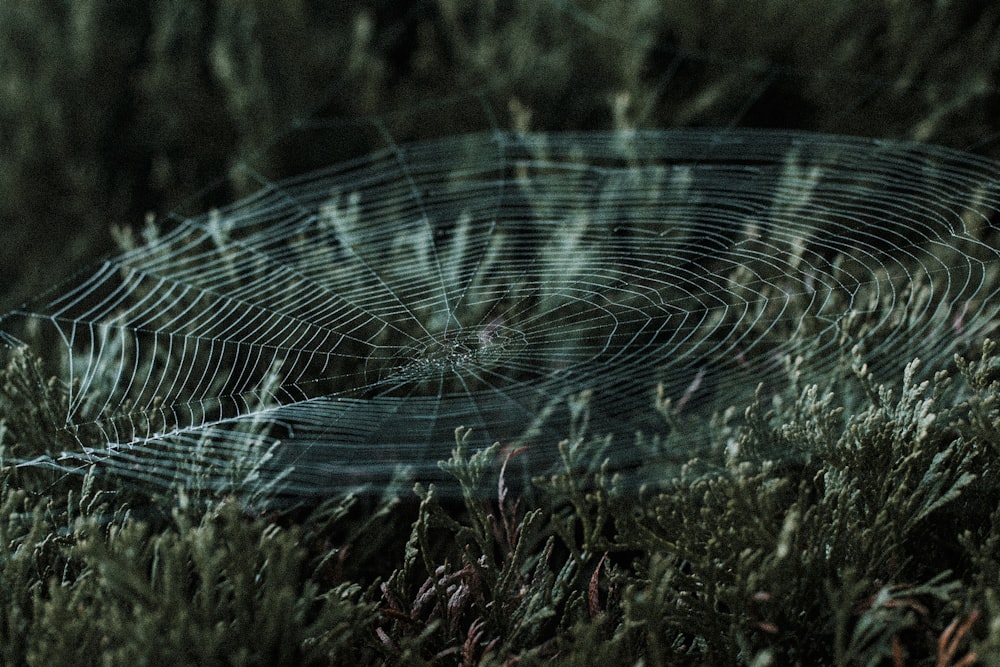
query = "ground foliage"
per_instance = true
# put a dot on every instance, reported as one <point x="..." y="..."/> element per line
<point x="876" y="544"/>
<point x="844" y="522"/>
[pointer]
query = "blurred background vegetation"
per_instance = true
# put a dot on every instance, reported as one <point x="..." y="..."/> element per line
<point x="112" y="110"/>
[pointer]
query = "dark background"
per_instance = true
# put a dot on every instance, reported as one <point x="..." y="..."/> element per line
<point x="113" y="110"/>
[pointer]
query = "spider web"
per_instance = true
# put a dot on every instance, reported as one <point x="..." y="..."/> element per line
<point x="364" y="312"/>
<point x="332" y="331"/>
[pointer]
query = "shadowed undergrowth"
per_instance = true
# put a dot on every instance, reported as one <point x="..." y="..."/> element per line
<point x="874" y="542"/>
